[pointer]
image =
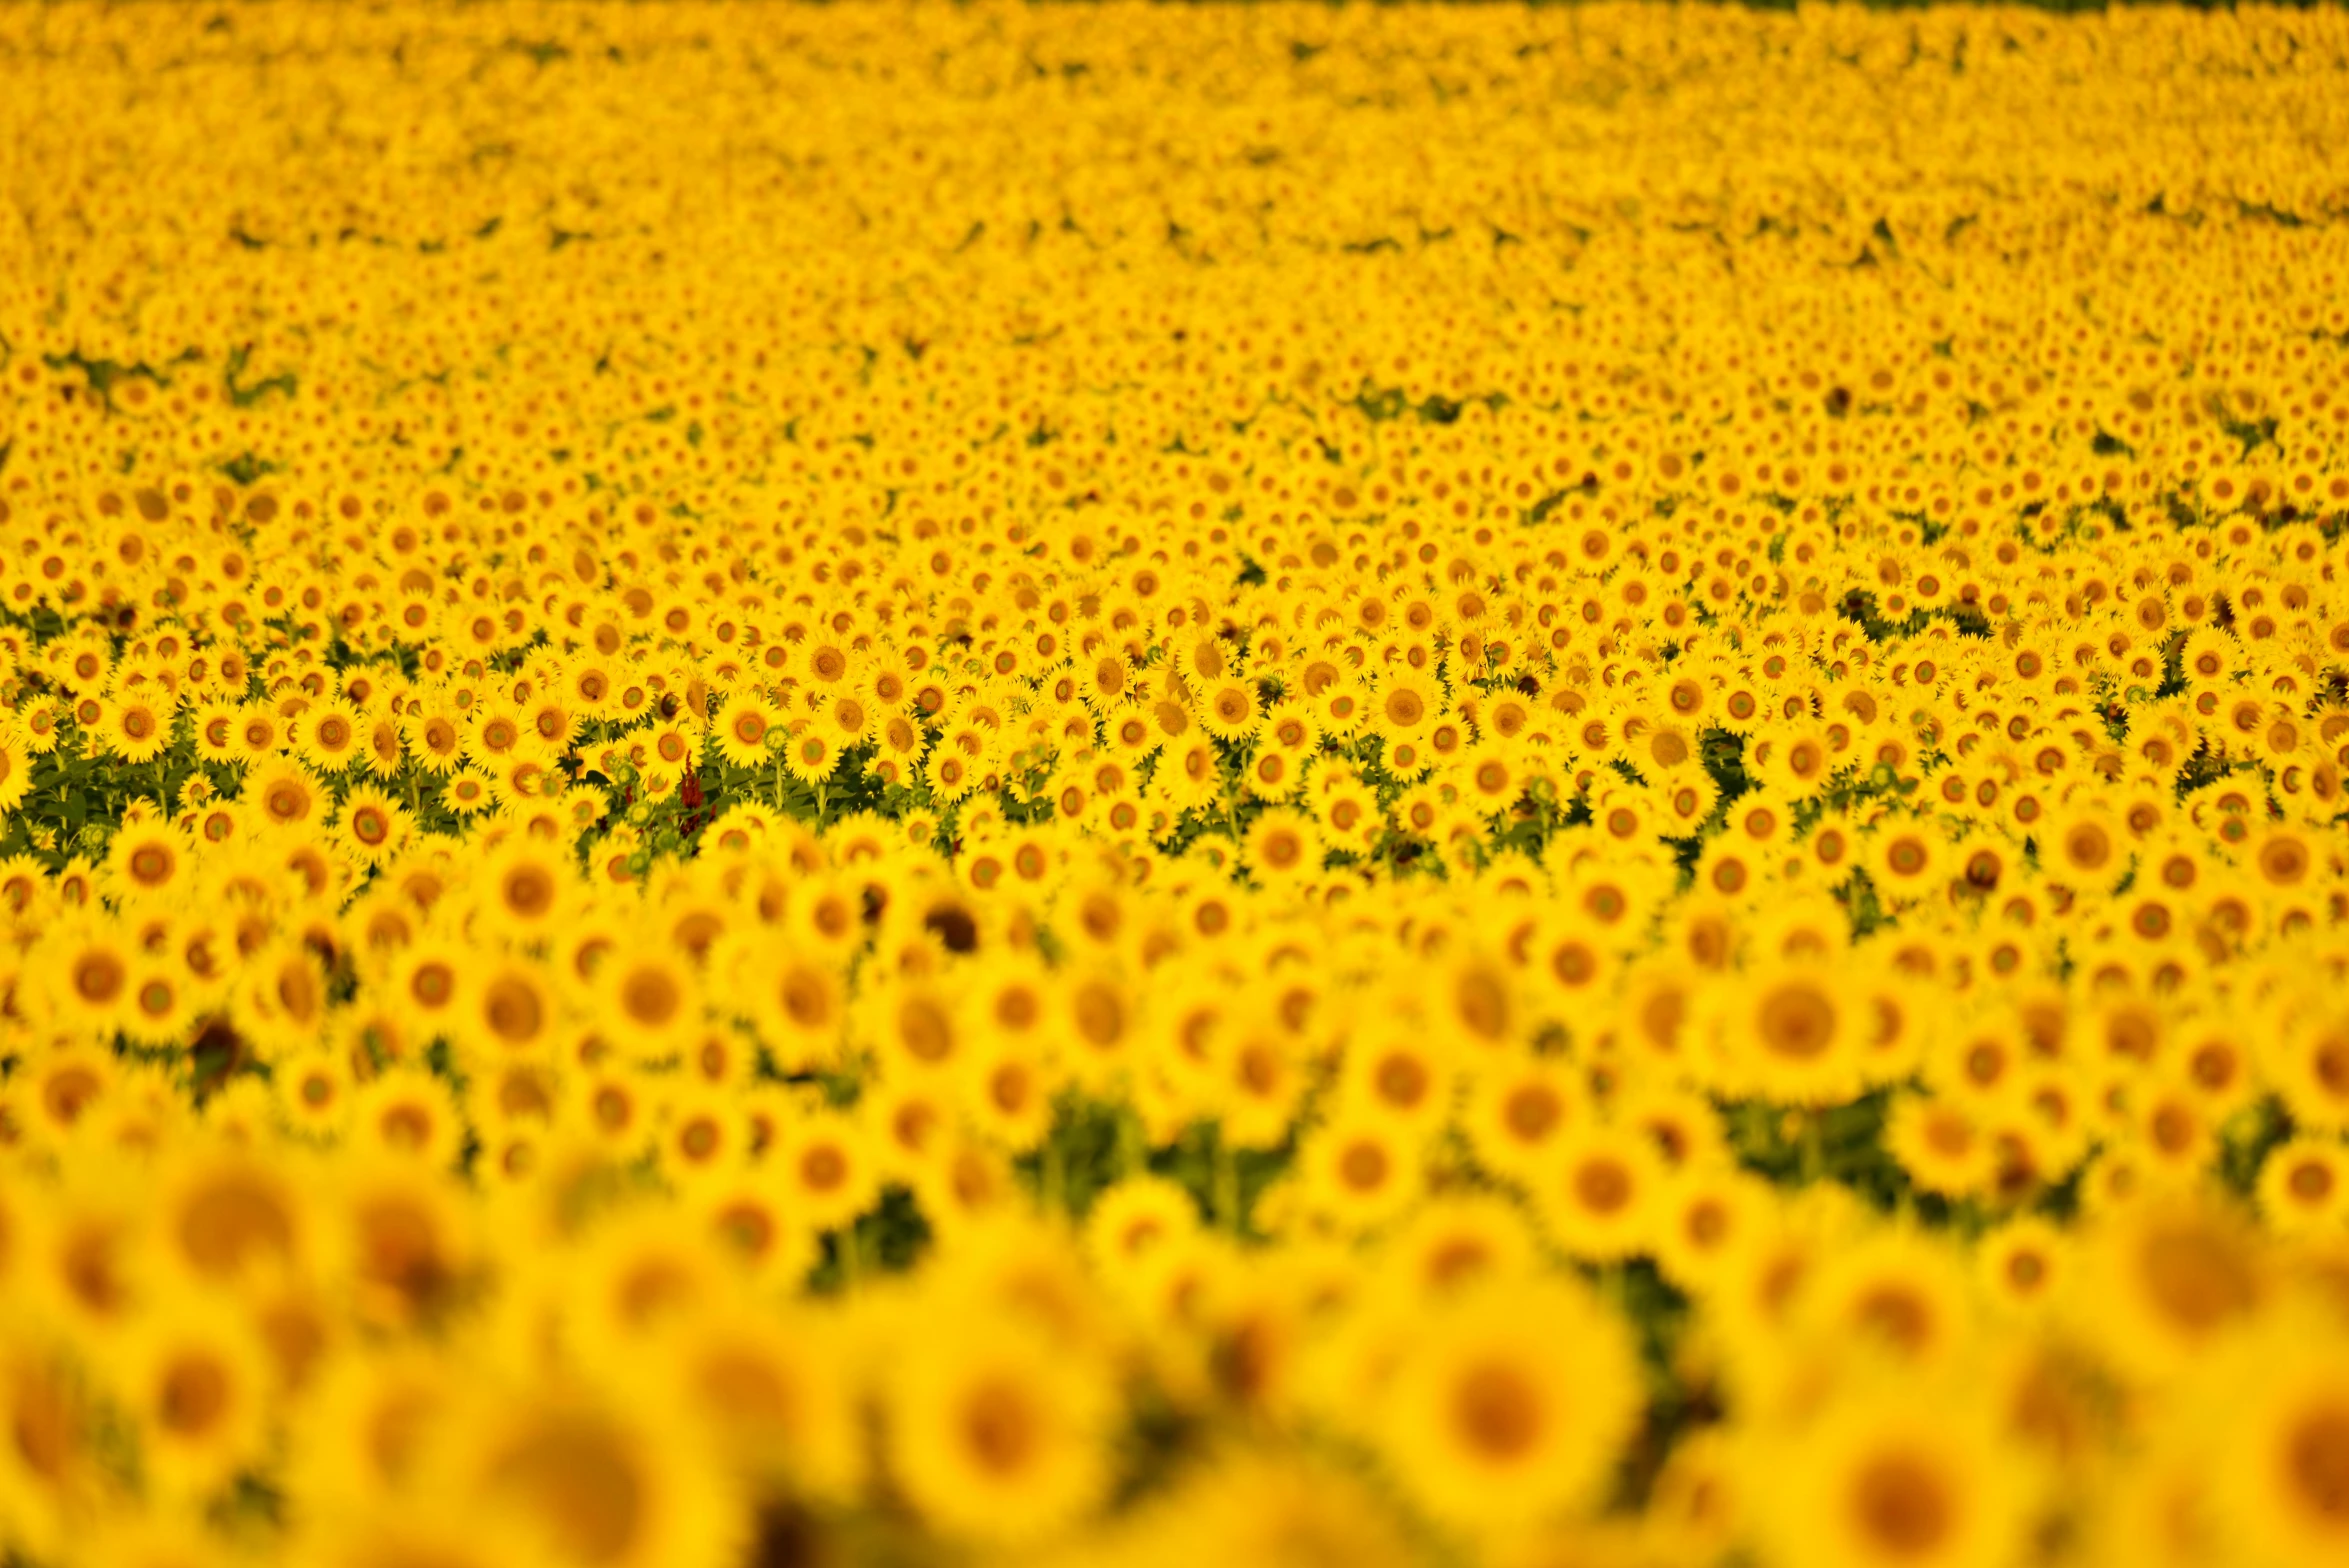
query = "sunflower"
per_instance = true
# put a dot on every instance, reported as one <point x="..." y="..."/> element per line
<point x="409" y="1112"/>
<point x="1399" y="1072"/>
<point x="2279" y="1485"/>
<point x="280" y="999"/>
<point x="2304" y="1187"/>
<point x="797" y="1003"/>
<point x="2306" y="1056"/>
<point x="495" y="735"/>
<point x="1708" y="1216"/>
<point x="632" y="1277"/>
<point x="605" y="1480"/>
<point x="1248" y="1506"/>
<point x="81" y="975"/>
<point x="1361" y="1170"/>
<point x="1347" y="808"/>
<point x="284" y="792"/>
<point x="2167" y="1279"/>
<point x="549" y="721"/>
<point x="367" y="1425"/>
<point x="1190" y="774"/>
<point x="777" y="1391"/>
<point x="1511" y="1408"/>
<point x="1282" y="847"/>
<point x="163" y="997"/>
<point x="16" y="774"/>
<point x="1908" y="858"/>
<point x="135" y="727"/>
<point x="913" y="1025"/>
<point x="1461" y="1241"/>
<point x="1008" y="1092"/>
<point x="650" y="999"/>
<point x="701" y="1135"/>
<point x="429" y="980"/>
<point x="509" y="1010"/>
<point x="216" y="731"/>
<point x="1227" y="708"/>
<point x="64" y="1084"/>
<point x="907" y="1121"/>
<point x="1405" y="704"/>
<point x="55" y="1480"/>
<point x="1897" y="1292"/>
<point x="1601" y="1196"/>
<point x="1520" y="1113"/>
<point x="995" y="1434"/>
<point x="401" y="1240"/>
<point x="1261" y="1077"/>
<point x="369" y="827"/>
<point x="850" y="718"/>
<point x="314" y="1090"/>
<point x="519" y="893"/>
<point x="197" y="1385"/>
<point x="811" y="754"/>
<point x="147" y="859"/>
<point x="469" y="791"/>
<point x="748" y="729"/>
<point x="227" y="1215"/>
<point x="1889" y="1477"/>
<point x="826" y="1169"/>
<point x="1478" y="1000"/>
<point x="2024" y="1265"/>
<point x="1793" y="1031"/>
<point x="2082" y="844"/>
<point x="1133" y="1219"/>
<point x="965" y="1188"/>
<point x="329" y="737"/>
<point x="830" y="663"/>
<point x="745" y="1219"/>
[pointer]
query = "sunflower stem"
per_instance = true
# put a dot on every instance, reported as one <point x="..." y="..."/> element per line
<point x="1132" y="1157"/>
<point x="1814" y="1147"/>
<point x="1055" y="1174"/>
<point x="1614" y="1284"/>
<point x="1227" y="1184"/>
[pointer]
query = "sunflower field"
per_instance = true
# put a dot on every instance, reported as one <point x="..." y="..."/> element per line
<point x="1286" y="784"/>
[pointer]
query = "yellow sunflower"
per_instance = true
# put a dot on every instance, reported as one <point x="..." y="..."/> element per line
<point x="1512" y="1406"/>
<point x="996" y="1434"/>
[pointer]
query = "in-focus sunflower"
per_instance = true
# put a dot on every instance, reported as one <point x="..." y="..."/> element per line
<point x="329" y="737"/>
<point x="135" y="727"/>
<point x="746" y="731"/>
<point x="370" y="826"/>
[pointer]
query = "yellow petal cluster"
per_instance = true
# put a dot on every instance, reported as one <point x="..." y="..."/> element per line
<point x="1278" y="784"/>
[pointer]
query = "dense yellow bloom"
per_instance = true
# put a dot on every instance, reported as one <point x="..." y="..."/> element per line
<point x="1512" y="1407"/>
<point x="995" y="1435"/>
<point x="1550" y="787"/>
